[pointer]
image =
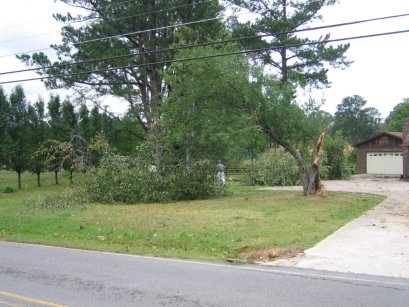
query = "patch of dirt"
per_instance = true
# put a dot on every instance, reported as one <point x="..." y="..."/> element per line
<point x="270" y="254"/>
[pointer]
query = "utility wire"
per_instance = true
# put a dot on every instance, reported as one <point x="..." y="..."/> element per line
<point x="203" y="44"/>
<point x="121" y="35"/>
<point x="96" y="18"/>
<point x="117" y="3"/>
<point x="145" y="31"/>
<point x="42" y="20"/>
<point x="143" y="14"/>
<point x="104" y="6"/>
<point x="24" y="24"/>
<point x="224" y="41"/>
<point x="26" y="37"/>
<point x="295" y="31"/>
<point x="110" y="5"/>
<point x="213" y="56"/>
<point x="25" y="52"/>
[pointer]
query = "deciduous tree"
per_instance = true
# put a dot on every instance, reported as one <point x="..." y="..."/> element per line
<point x="356" y="121"/>
<point x="205" y="121"/>
<point x="298" y="62"/>
<point x="47" y="153"/>
<point x="399" y="112"/>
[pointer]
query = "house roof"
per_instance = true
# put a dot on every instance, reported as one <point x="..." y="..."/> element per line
<point x="395" y="134"/>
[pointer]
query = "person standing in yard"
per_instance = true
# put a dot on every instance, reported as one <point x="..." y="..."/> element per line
<point x="221" y="173"/>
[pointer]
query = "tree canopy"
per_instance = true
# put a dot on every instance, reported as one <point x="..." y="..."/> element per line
<point x="123" y="47"/>
<point x="399" y="112"/>
<point x="356" y="121"/>
<point x="296" y="60"/>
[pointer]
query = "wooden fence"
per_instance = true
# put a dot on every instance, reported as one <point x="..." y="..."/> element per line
<point x="236" y="171"/>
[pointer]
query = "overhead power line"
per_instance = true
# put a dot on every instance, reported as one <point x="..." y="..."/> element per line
<point x="301" y="30"/>
<point x="117" y="3"/>
<point x="25" y="52"/>
<point x="23" y="24"/>
<point x="121" y="35"/>
<point x="42" y="20"/>
<point x="96" y="18"/>
<point x="26" y="37"/>
<point x="144" y="14"/>
<point x="212" y="56"/>
<point x="224" y="41"/>
<point x="103" y="6"/>
<point x="203" y="44"/>
<point x="145" y="31"/>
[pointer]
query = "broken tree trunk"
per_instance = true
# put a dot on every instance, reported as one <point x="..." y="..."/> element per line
<point x="310" y="177"/>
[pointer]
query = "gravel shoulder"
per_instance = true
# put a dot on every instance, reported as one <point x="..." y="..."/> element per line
<point x="376" y="243"/>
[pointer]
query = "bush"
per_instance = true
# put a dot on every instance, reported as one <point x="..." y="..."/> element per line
<point x="121" y="179"/>
<point x="277" y="168"/>
<point x="8" y="190"/>
<point x="115" y="181"/>
<point x="335" y="158"/>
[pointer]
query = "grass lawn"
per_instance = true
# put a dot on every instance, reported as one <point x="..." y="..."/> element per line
<point x="233" y="227"/>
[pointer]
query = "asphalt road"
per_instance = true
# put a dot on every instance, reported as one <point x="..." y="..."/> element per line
<point x="32" y="275"/>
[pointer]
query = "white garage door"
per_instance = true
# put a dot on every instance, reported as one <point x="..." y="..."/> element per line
<point x="388" y="163"/>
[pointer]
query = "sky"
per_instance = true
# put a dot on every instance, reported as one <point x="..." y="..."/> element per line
<point x="378" y="73"/>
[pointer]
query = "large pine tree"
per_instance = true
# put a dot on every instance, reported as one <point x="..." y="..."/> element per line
<point x="138" y="29"/>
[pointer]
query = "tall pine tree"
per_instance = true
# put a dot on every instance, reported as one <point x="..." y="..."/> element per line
<point x="20" y="147"/>
<point x="38" y="131"/>
<point x="139" y="30"/>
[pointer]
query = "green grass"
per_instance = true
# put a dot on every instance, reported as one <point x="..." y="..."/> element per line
<point x="215" y="229"/>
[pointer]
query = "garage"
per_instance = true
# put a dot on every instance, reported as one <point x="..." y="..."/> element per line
<point x="390" y="163"/>
<point x="381" y="154"/>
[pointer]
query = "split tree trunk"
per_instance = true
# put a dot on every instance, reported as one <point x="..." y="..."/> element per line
<point x="310" y="180"/>
<point x="310" y="176"/>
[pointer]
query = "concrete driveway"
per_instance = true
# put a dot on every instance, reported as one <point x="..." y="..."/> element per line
<point x="377" y="243"/>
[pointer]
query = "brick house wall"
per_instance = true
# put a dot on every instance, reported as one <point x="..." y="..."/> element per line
<point x="405" y="125"/>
